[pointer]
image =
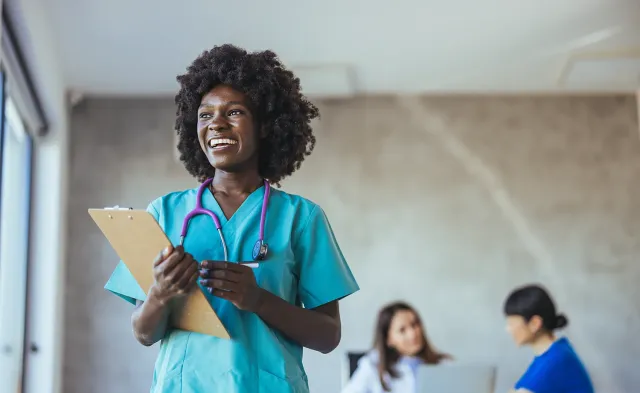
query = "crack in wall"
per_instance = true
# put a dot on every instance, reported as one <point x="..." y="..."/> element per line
<point x="488" y="179"/>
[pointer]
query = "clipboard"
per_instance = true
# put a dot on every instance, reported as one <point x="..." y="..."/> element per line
<point x="137" y="239"/>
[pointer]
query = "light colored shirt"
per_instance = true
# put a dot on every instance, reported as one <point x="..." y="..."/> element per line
<point x="304" y="267"/>
<point x="366" y="378"/>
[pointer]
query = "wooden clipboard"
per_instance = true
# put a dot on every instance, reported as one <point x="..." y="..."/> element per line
<point x="137" y="239"/>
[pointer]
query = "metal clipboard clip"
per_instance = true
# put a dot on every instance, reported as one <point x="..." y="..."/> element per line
<point x="116" y="207"/>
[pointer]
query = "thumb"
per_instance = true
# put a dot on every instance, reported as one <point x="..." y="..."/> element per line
<point x="162" y="255"/>
<point x="167" y="251"/>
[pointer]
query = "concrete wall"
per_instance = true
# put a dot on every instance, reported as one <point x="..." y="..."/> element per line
<point x="445" y="202"/>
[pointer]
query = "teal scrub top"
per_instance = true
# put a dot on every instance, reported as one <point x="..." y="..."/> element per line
<point x="304" y="267"/>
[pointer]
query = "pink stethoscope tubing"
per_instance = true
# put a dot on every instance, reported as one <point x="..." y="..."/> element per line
<point x="260" y="248"/>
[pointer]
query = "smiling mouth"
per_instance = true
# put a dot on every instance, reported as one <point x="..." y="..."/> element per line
<point x="221" y="142"/>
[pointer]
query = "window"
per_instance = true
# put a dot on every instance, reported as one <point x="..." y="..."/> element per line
<point x="15" y="198"/>
<point x="21" y="120"/>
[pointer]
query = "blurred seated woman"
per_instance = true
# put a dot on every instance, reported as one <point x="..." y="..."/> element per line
<point x="531" y="321"/>
<point x="400" y="346"/>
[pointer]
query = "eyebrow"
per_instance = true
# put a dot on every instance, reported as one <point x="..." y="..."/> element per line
<point x="226" y="103"/>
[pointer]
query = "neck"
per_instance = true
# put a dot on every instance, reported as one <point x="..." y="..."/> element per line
<point x="236" y="182"/>
<point x="542" y="343"/>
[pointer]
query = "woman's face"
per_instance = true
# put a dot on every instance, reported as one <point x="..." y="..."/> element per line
<point x="226" y="129"/>
<point x="521" y="331"/>
<point x="405" y="333"/>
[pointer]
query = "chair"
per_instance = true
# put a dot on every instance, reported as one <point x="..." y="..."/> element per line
<point x="350" y="364"/>
<point x="354" y="358"/>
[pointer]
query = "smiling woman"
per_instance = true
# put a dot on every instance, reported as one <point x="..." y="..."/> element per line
<point x="400" y="348"/>
<point x="264" y="90"/>
<point x="242" y="125"/>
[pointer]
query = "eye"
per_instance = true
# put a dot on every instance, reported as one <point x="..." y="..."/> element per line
<point x="235" y="112"/>
<point x="204" y="115"/>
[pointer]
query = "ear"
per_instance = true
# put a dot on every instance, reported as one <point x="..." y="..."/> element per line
<point x="535" y="324"/>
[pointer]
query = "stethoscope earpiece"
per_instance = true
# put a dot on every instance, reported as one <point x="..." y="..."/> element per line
<point x="260" y="250"/>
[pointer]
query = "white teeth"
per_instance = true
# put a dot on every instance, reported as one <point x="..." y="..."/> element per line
<point x="221" y="141"/>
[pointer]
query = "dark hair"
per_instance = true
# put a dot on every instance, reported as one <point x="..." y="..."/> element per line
<point x="283" y="114"/>
<point x="387" y="356"/>
<point x="531" y="300"/>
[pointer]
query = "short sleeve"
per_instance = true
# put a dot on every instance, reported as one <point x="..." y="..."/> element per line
<point x="324" y="273"/>
<point x="122" y="283"/>
<point x="542" y="379"/>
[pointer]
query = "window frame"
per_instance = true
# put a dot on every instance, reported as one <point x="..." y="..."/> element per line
<point x="3" y="84"/>
<point x="23" y="119"/>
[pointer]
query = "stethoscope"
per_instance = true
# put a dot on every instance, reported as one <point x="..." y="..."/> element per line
<point x="259" y="249"/>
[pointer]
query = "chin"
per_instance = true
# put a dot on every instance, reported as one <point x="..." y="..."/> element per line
<point x="231" y="162"/>
<point x="225" y="164"/>
<point x="416" y="351"/>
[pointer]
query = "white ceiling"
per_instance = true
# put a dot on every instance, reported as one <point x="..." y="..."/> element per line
<point x="342" y="47"/>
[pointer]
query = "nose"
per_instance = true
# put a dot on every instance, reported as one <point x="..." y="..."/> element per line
<point x="218" y="124"/>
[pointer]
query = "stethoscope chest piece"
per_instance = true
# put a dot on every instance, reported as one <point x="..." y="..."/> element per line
<point x="260" y="250"/>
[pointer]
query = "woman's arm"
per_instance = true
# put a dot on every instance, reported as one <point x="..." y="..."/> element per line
<point x="150" y="319"/>
<point x="318" y="329"/>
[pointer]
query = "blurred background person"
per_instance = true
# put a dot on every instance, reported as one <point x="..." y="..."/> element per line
<point x="400" y="346"/>
<point x="532" y="321"/>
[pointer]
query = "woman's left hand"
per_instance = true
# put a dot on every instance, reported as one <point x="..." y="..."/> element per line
<point x="232" y="281"/>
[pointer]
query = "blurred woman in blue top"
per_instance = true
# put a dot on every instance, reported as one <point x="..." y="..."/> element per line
<point x="400" y="346"/>
<point x="531" y="321"/>
<point x="243" y="124"/>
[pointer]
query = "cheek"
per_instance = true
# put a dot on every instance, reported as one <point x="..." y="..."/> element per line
<point x="249" y="132"/>
<point x="519" y="334"/>
<point x="201" y="129"/>
<point x="394" y="340"/>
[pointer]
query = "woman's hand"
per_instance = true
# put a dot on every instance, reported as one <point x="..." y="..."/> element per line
<point x="175" y="272"/>
<point x="318" y="328"/>
<point x="232" y="281"/>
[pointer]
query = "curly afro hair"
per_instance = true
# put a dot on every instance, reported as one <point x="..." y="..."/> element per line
<point x="283" y="114"/>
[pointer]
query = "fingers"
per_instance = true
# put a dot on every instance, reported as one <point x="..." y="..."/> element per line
<point x="182" y="268"/>
<point x="217" y="284"/>
<point x="221" y="274"/>
<point x="220" y="265"/>
<point x="172" y="260"/>
<point x="188" y="277"/>
<point x="189" y="281"/>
